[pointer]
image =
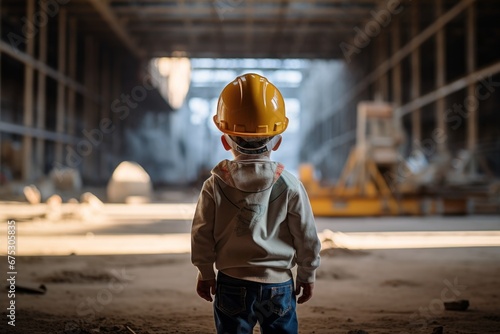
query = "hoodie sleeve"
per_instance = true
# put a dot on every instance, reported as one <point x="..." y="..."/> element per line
<point x="305" y="238"/>
<point x="202" y="236"/>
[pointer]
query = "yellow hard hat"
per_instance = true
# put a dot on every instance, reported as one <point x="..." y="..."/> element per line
<point x="251" y="106"/>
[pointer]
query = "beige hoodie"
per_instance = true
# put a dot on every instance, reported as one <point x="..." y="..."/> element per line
<point x="254" y="221"/>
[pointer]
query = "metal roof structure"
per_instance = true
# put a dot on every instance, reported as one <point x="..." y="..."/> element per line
<point x="237" y="28"/>
<point x="221" y="28"/>
<point x="242" y="28"/>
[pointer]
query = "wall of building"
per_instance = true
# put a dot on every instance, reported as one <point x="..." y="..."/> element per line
<point x="68" y="93"/>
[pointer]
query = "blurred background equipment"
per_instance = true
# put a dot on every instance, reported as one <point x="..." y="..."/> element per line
<point x="362" y="189"/>
<point x="375" y="181"/>
<point x="129" y="181"/>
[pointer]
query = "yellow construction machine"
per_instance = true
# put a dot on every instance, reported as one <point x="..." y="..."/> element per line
<point x="361" y="189"/>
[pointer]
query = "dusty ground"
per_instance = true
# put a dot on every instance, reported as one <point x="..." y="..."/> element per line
<point x="383" y="291"/>
<point x="379" y="291"/>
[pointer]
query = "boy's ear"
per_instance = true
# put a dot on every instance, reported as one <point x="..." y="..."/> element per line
<point x="277" y="144"/>
<point x="225" y="143"/>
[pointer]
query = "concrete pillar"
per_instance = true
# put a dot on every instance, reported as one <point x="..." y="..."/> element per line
<point x="86" y="149"/>
<point x="116" y="91"/>
<point x="29" y="73"/>
<point x="72" y="63"/>
<point x="105" y="112"/>
<point x="440" y="80"/>
<point x="472" y="110"/>
<point x="416" y="122"/>
<point x="383" y="55"/>
<point x="61" y="88"/>
<point x="41" y="96"/>
<point x="397" y="96"/>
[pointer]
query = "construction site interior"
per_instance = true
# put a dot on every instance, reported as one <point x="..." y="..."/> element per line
<point x="106" y="137"/>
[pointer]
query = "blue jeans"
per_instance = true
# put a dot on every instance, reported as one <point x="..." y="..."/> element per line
<point x="240" y="304"/>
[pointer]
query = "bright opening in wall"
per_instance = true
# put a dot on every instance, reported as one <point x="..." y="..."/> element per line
<point x="200" y="110"/>
<point x="174" y="78"/>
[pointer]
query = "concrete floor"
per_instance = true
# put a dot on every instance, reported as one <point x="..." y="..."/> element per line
<point x="136" y="235"/>
<point x="378" y="290"/>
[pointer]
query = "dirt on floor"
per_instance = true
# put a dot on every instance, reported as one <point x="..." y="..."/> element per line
<point x="375" y="292"/>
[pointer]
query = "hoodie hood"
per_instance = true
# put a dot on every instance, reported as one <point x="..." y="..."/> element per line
<point x="248" y="175"/>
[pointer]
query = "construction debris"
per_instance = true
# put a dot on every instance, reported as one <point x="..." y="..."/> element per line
<point x="458" y="305"/>
<point x="66" y="179"/>
<point x="32" y="194"/>
<point x="90" y="208"/>
<point x="438" y="330"/>
<point x="30" y="289"/>
<point x="130" y="330"/>
<point x="54" y="208"/>
<point x="129" y="180"/>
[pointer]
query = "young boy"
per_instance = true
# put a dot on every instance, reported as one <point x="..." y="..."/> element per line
<point x="253" y="219"/>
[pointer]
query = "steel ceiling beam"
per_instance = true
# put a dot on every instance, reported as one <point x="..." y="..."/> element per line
<point x="109" y="16"/>
<point x="237" y="11"/>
